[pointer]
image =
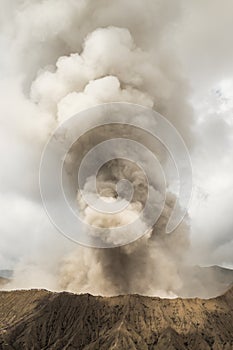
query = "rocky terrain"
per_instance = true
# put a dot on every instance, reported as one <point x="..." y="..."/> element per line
<point x="38" y="319"/>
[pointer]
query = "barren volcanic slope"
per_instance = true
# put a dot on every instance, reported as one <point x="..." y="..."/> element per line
<point x="38" y="319"/>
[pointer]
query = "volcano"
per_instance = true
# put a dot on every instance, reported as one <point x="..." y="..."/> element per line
<point x="39" y="319"/>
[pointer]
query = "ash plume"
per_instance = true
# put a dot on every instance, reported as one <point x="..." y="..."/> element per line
<point x="59" y="58"/>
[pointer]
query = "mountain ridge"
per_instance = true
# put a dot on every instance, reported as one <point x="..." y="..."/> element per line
<point x="39" y="319"/>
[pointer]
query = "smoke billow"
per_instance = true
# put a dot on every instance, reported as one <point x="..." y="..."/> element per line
<point x="148" y="266"/>
<point x="60" y="58"/>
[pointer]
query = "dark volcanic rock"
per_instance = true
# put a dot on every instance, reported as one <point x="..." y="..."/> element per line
<point x="39" y="319"/>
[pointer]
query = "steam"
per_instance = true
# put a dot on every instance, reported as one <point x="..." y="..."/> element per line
<point x="60" y="58"/>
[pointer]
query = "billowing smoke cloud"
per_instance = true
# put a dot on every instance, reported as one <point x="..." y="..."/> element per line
<point x="62" y="57"/>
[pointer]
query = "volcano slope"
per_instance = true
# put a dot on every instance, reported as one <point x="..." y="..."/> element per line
<point x="38" y="319"/>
